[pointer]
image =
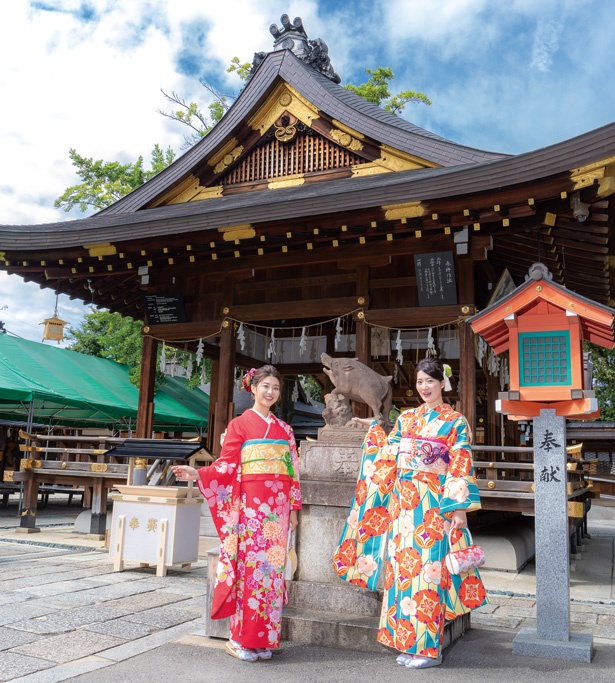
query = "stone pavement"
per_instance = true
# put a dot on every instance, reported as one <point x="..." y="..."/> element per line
<point x="65" y="615"/>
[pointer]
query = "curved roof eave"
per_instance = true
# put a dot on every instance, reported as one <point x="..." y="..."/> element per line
<point x="333" y="99"/>
<point x="339" y="195"/>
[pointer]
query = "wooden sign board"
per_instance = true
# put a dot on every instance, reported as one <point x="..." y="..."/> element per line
<point x="435" y="279"/>
<point x="164" y="308"/>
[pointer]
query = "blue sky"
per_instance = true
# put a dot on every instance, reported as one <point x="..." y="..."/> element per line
<point x="508" y="76"/>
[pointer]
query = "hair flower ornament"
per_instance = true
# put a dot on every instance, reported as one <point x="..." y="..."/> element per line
<point x="247" y="380"/>
<point x="448" y="373"/>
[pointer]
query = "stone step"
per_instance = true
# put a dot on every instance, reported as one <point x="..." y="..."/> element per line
<point x="342" y="598"/>
<point x="347" y="631"/>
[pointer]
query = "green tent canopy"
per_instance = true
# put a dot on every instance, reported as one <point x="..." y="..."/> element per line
<point x="73" y="389"/>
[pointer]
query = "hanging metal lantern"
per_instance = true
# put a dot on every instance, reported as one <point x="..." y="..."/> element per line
<point x="54" y="328"/>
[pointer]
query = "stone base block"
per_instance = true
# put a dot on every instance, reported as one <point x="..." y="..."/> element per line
<point x="579" y="648"/>
<point x="509" y="546"/>
<point x="83" y="523"/>
<point x="348" y="631"/>
<point x="214" y="628"/>
<point x="342" y="598"/>
<point x="27" y="530"/>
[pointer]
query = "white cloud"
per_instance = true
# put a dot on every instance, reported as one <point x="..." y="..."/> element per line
<point x="546" y="42"/>
<point x="509" y="76"/>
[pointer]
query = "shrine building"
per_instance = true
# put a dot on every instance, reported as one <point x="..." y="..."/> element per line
<point x="309" y="220"/>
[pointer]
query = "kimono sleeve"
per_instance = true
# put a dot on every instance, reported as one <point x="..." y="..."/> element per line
<point x="460" y="489"/>
<point x="360" y="552"/>
<point x="225" y="471"/>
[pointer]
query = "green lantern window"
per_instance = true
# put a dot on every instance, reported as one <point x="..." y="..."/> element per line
<point x="544" y="359"/>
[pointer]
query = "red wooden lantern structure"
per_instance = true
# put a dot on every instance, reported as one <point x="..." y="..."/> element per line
<point x="543" y="325"/>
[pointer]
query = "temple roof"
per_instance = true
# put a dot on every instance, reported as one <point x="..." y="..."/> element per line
<point x="372" y="179"/>
<point x="336" y="102"/>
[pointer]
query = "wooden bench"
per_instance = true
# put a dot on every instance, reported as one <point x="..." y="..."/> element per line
<point x="507" y="484"/>
<point x="57" y="463"/>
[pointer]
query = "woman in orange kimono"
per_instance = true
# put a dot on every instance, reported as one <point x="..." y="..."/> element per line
<point x="253" y="493"/>
<point x="414" y="489"/>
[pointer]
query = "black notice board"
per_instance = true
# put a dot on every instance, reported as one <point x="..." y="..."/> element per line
<point x="165" y="308"/>
<point x="435" y="278"/>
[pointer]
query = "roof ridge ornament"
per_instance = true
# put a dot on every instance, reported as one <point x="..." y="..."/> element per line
<point x="292" y="36"/>
<point x="538" y="271"/>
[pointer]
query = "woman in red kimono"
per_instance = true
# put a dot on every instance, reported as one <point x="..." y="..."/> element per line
<point x="253" y="493"/>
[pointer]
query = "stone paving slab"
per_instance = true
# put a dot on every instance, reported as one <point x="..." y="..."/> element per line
<point x="100" y="594"/>
<point x="69" y="646"/>
<point x="136" y="647"/>
<point x="10" y="614"/>
<point x="13" y="665"/>
<point x="9" y="638"/>
<point x="64" y="621"/>
<point x="144" y="601"/>
<point x="122" y="628"/>
<point x="163" y="617"/>
<point x="496" y="621"/>
<point x="70" y="670"/>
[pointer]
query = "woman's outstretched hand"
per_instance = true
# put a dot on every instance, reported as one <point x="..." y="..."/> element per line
<point x="459" y="520"/>
<point x="185" y="473"/>
<point x="363" y="420"/>
<point x="294" y="520"/>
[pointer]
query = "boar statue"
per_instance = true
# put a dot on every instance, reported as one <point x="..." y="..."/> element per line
<point x="357" y="382"/>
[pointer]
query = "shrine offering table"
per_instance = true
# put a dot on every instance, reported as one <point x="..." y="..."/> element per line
<point x="155" y="525"/>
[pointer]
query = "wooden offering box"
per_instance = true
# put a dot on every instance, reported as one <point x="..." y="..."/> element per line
<point x="155" y="525"/>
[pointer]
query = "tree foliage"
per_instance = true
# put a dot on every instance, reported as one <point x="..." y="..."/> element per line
<point x="104" y="182"/>
<point x="604" y="380"/>
<point x="109" y="335"/>
<point x="376" y="90"/>
<point x="191" y="114"/>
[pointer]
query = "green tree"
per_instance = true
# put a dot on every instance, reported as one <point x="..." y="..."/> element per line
<point x="119" y="338"/>
<point x="104" y="182"/>
<point x="191" y="114"/>
<point x="376" y="90"/>
<point x="604" y="380"/>
<point x="109" y="335"/>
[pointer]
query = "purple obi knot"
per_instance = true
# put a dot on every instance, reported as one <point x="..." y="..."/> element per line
<point x="430" y="452"/>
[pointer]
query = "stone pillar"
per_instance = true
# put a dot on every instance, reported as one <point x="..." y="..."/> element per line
<point x="552" y="636"/>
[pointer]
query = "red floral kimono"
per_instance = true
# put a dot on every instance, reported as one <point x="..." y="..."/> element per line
<point x="251" y="489"/>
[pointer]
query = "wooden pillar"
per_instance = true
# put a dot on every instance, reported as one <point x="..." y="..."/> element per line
<point x="492" y="433"/>
<point x="213" y="392"/>
<point x="467" y="365"/>
<point x="363" y="333"/>
<point x="224" y="394"/>
<point x="145" y="412"/>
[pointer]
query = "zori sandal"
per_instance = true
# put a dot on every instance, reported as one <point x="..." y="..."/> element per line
<point x="419" y="662"/>
<point x="244" y="654"/>
<point x="263" y="652"/>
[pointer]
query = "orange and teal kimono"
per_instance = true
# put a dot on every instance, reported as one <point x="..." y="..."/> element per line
<point x="408" y="487"/>
<point x="251" y="489"/>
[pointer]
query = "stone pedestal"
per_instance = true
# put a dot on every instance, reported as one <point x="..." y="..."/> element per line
<point x="323" y="609"/>
<point x="214" y="628"/>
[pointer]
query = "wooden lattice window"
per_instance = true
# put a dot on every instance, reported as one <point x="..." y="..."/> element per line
<point x="544" y="358"/>
<point x="306" y="153"/>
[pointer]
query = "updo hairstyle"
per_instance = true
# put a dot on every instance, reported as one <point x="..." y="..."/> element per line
<point x="432" y="367"/>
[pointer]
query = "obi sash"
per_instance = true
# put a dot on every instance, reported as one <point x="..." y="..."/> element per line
<point x="424" y="455"/>
<point x="266" y="456"/>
